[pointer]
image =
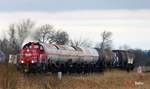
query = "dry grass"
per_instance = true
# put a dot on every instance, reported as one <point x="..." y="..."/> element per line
<point x="8" y="76"/>
<point x="115" y="79"/>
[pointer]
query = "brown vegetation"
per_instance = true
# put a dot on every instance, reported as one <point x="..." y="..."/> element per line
<point x="115" y="79"/>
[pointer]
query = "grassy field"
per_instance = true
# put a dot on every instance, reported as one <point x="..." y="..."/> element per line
<point x="114" y="79"/>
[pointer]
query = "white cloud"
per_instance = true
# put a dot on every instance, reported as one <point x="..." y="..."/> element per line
<point x="129" y="27"/>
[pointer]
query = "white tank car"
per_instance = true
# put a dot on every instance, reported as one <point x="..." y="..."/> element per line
<point x="63" y="53"/>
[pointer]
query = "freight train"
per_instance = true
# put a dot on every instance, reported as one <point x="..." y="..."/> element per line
<point x="43" y="57"/>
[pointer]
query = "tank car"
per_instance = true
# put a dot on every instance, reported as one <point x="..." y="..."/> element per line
<point x="123" y="59"/>
<point x="49" y="57"/>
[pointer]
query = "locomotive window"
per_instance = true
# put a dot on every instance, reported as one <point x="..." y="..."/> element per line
<point x="26" y="47"/>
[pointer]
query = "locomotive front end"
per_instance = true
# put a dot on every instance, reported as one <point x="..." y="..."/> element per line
<point x="31" y="57"/>
<point x="27" y="56"/>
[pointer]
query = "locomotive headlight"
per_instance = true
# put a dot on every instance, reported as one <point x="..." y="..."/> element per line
<point x="32" y="61"/>
<point x="22" y="61"/>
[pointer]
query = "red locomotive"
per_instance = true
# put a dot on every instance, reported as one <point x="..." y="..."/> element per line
<point x="31" y="56"/>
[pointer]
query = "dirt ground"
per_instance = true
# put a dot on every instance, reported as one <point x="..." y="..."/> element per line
<point x="110" y="79"/>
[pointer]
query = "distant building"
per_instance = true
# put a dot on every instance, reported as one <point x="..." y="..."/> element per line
<point x="12" y="59"/>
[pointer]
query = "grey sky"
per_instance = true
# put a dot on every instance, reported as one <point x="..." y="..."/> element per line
<point x="128" y="20"/>
<point x="67" y="5"/>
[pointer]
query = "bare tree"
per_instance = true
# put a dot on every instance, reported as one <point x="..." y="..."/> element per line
<point x="17" y="33"/>
<point x="4" y="47"/>
<point x="44" y="33"/>
<point x="60" y="37"/>
<point x="105" y="47"/>
<point x="47" y="33"/>
<point x="13" y="44"/>
<point x="23" y="29"/>
<point x="106" y="43"/>
<point x="80" y="42"/>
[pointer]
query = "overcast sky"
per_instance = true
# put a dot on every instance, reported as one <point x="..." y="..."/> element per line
<point x="128" y="20"/>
